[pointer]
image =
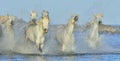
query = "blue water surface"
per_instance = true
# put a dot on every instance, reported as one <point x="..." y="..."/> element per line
<point x="112" y="40"/>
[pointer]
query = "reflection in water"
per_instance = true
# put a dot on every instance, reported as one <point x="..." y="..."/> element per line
<point x="69" y="58"/>
<point x="41" y="58"/>
<point x="11" y="58"/>
<point x="109" y="57"/>
<point x="22" y="58"/>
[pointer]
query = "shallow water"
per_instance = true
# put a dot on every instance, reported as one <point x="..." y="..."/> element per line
<point x="110" y="43"/>
<point x="61" y="58"/>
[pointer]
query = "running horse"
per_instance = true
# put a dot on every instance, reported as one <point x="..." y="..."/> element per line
<point x="64" y="35"/>
<point x="93" y="38"/>
<point x="36" y="32"/>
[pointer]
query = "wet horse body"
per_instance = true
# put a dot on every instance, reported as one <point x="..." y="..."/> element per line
<point x="6" y="24"/>
<point x="65" y="37"/>
<point x="104" y="28"/>
<point x="3" y="19"/>
<point x="93" y="38"/>
<point x="33" y="16"/>
<point x="36" y="32"/>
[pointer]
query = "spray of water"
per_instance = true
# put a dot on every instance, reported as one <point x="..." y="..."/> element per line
<point x="14" y="41"/>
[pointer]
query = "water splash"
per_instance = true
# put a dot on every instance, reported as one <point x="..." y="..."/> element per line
<point x="51" y="46"/>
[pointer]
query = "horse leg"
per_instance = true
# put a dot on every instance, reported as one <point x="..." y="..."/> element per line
<point x="93" y="44"/>
<point x="41" y="43"/>
<point x="25" y="36"/>
<point x="97" y="42"/>
<point x="38" y="43"/>
<point x="73" y="44"/>
<point x="63" y="47"/>
<point x="1" y="31"/>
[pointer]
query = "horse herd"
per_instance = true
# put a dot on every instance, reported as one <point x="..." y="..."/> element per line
<point x="36" y="29"/>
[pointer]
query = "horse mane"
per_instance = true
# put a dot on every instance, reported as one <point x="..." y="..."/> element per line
<point x="3" y="19"/>
<point x="69" y="27"/>
<point x="39" y="22"/>
<point x="41" y="19"/>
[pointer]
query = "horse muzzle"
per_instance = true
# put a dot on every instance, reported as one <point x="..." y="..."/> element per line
<point x="12" y="22"/>
<point x="76" y="18"/>
<point x="46" y="30"/>
<point x="100" y="22"/>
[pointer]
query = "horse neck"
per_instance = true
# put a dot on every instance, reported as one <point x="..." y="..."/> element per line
<point x="95" y="26"/>
<point x="39" y="24"/>
<point x="70" y="28"/>
<point x="94" y="21"/>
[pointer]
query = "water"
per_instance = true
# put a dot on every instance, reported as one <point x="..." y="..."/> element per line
<point x="59" y="58"/>
<point x="109" y="43"/>
<point x="112" y="42"/>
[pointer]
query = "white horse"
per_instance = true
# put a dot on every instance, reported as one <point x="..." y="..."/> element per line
<point x="89" y="24"/>
<point x="36" y="32"/>
<point x="33" y="16"/>
<point x="7" y="27"/>
<point x="64" y="35"/>
<point x="7" y="21"/>
<point x="3" y="19"/>
<point x="93" y="38"/>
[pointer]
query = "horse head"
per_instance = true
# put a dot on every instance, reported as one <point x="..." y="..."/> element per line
<point x="11" y="20"/>
<point x="73" y="19"/>
<point x="45" y="21"/>
<point x="99" y="18"/>
<point x="33" y="14"/>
